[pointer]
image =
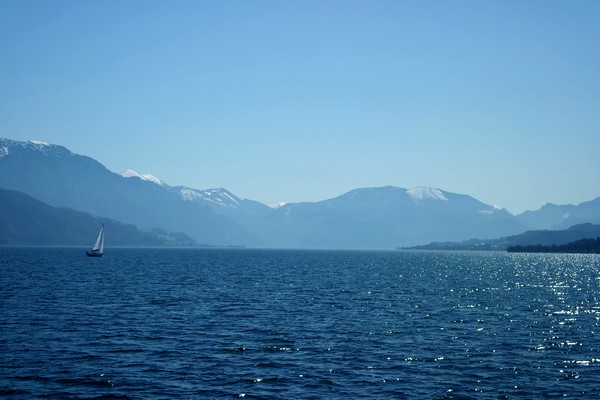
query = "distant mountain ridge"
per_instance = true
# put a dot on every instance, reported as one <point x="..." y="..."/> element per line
<point x="364" y="218"/>
<point x="383" y="217"/>
<point x="344" y="221"/>
<point x="552" y="216"/>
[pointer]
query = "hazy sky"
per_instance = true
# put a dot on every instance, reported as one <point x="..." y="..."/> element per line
<point x="305" y="100"/>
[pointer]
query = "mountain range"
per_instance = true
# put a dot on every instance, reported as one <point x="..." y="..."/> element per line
<point x="365" y="218"/>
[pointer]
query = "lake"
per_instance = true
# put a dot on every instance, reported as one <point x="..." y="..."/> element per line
<point x="280" y="324"/>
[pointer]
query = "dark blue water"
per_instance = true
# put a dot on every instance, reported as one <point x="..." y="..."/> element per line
<point x="161" y="324"/>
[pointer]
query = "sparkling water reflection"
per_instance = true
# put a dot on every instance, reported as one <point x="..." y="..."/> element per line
<point x="161" y="323"/>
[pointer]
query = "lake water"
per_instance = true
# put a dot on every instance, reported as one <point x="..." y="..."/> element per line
<point x="270" y="324"/>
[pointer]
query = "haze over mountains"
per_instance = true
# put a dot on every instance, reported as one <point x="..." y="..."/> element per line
<point x="366" y="218"/>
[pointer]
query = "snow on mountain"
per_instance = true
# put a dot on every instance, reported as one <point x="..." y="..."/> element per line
<point x="279" y="204"/>
<point x="217" y="197"/>
<point x="383" y="217"/>
<point x="9" y="146"/>
<point x="188" y="194"/>
<point x="214" y="197"/>
<point x="422" y="193"/>
<point x="145" y="177"/>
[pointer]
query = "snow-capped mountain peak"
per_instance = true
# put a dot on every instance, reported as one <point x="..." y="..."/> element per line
<point x="145" y="177"/>
<point x="217" y="197"/>
<point x="421" y="193"/>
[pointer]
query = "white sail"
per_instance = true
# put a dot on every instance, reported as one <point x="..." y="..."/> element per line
<point x="99" y="245"/>
<point x="98" y="248"/>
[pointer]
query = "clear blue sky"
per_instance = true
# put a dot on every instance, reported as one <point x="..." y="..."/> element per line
<point x="305" y="100"/>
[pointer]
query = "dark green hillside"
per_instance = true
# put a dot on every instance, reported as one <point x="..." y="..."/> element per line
<point x="27" y="221"/>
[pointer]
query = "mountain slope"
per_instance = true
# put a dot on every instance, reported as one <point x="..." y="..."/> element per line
<point x="555" y="237"/>
<point x="27" y="221"/>
<point x="221" y="202"/>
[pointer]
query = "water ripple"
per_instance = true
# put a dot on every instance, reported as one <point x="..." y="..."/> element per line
<point x="157" y="324"/>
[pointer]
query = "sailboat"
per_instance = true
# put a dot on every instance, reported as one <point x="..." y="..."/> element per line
<point x="98" y="248"/>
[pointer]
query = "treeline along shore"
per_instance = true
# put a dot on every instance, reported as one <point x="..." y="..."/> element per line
<point x="589" y="246"/>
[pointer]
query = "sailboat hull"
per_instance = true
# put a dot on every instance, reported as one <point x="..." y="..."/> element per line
<point x="93" y="254"/>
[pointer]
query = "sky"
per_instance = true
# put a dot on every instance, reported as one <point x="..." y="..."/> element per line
<point x="290" y="101"/>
